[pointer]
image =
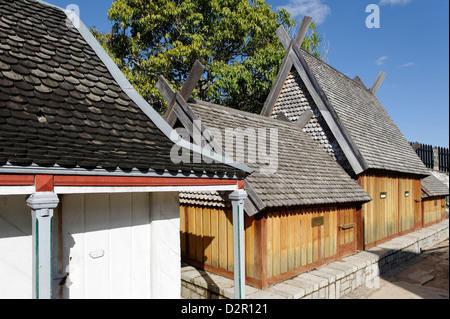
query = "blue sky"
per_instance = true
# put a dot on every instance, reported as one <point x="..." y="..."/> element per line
<point x="411" y="46"/>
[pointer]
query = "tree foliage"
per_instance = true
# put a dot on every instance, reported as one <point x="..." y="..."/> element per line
<point x="234" y="39"/>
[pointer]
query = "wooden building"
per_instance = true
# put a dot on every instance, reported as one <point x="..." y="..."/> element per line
<point x="89" y="194"/>
<point x="301" y="205"/>
<point x="434" y="205"/>
<point x="347" y="120"/>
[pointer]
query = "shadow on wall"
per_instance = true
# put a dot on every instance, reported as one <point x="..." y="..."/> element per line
<point x="15" y="216"/>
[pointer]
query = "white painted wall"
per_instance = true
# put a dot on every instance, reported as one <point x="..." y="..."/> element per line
<point x="124" y="245"/>
<point x="121" y="245"/>
<point x="165" y="250"/>
<point x="15" y="248"/>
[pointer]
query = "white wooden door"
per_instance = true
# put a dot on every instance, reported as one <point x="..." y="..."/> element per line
<point x="106" y="245"/>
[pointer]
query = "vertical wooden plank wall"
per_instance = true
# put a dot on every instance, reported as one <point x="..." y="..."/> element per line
<point x="406" y="204"/>
<point x="207" y="239"/>
<point x="387" y="217"/>
<point x="433" y="210"/>
<point x="417" y="204"/>
<point x="278" y="245"/>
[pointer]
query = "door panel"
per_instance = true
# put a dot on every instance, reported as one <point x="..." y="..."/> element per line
<point x="347" y="232"/>
<point x="100" y="232"/>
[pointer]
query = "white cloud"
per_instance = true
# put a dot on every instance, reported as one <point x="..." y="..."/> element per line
<point x="381" y="60"/>
<point x="312" y="8"/>
<point x="407" y="65"/>
<point x="393" y="2"/>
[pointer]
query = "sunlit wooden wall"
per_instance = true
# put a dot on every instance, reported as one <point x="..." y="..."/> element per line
<point x="433" y="210"/>
<point x="278" y="244"/>
<point x="398" y="212"/>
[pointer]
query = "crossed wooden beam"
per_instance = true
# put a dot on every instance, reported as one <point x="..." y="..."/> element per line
<point x="179" y="109"/>
<point x="304" y="26"/>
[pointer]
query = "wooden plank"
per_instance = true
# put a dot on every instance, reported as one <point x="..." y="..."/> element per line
<point x="199" y="252"/>
<point x="191" y="232"/>
<point x="297" y="238"/>
<point x="16" y="180"/>
<point x="269" y="232"/>
<point x="277" y="86"/>
<point x="249" y="246"/>
<point x="304" y="118"/>
<point x="192" y="80"/>
<point x="230" y="252"/>
<point x="121" y="243"/>
<point x="334" y="224"/>
<point x="141" y="254"/>
<point x="223" y="242"/>
<point x="283" y="243"/>
<point x="73" y="218"/>
<point x="215" y="237"/>
<point x="325" y="240"/>
<point x="290" y="239"/>
<point x="168" y="94"/>
<point x="263" y="244"/>
<point x="417" y="205"/>
<point x="206" y="234"/>
<point x="380" y="221"/>
<point x="284" y="38"/>
<point x="304" y="237"/>
<point x="315" y="238"/>
<point x="276" y="244"/>
<point x="96" y="238"/>
<point x="282" y="117"/>
<point x="376" y="85"/>
<point x="309" y="237"/>
<point x="304" y="27"/>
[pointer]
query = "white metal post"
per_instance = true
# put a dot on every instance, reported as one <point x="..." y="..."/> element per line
<point x="237" y="201"/>
<point x="42" y="205"/>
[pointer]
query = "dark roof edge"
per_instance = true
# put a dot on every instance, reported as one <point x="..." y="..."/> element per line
<point x="58" y="170"/>
<point x="128" y="89"/>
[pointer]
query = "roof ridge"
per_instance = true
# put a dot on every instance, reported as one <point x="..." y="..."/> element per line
<point x="329" y="65"/>
<point x="241" y="112"/>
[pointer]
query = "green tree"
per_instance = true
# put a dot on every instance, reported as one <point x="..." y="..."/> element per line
<point x="234" y="39"/>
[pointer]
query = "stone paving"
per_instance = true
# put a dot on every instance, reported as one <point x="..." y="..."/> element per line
<point x="423" y="277"/>
<point x="332" y="281"/>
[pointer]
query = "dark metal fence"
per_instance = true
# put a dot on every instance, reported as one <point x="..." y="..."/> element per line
<point x="427" y="154"/>
<point x="443" y="154"/>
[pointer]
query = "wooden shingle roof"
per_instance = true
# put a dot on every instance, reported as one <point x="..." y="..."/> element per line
<point x="353" y="125"/>
<point x="378" y="138"/>
<point x="432" y="186"/>
<point x="305" y="174"/>
<point x="65" y="104"/>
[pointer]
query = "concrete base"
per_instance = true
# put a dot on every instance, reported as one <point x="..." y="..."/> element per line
<point x="332" y="281"/>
